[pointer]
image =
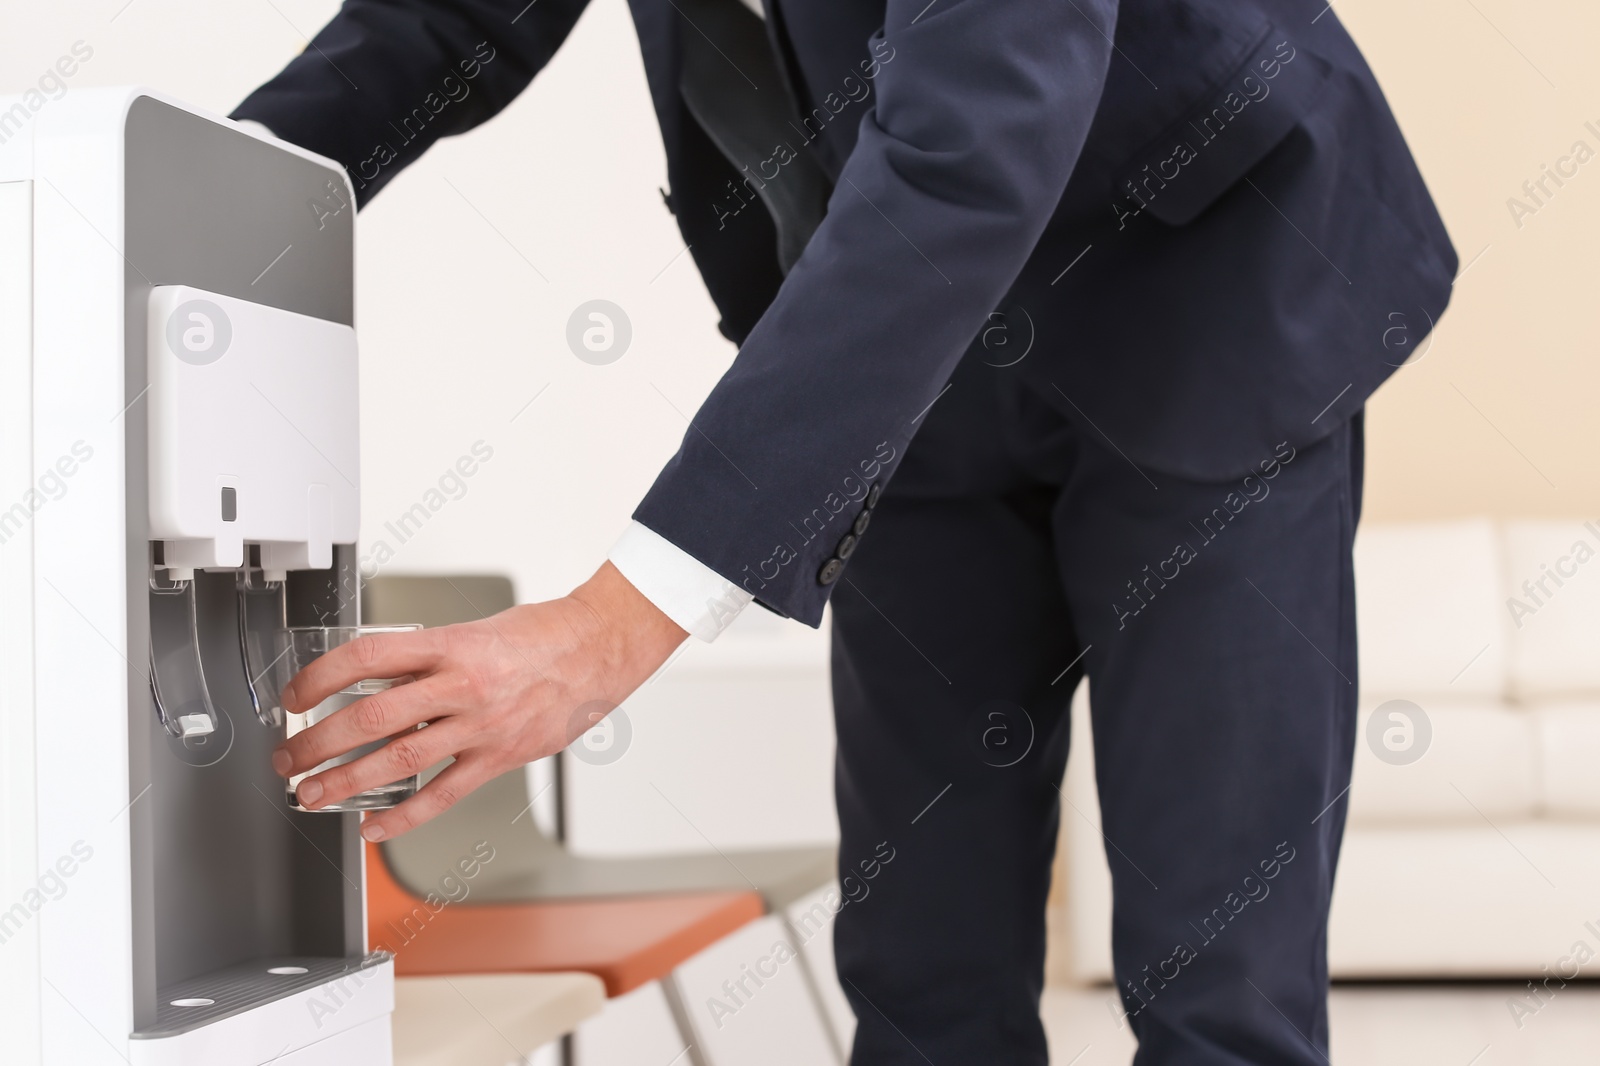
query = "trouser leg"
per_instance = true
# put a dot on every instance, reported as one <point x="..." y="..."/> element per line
<point x="949" y="628"/>
<point x="1222" y="667"/>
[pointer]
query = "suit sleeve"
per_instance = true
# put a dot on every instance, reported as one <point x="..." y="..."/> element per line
<point x="386" y="78"/>
<point x="981" y="110"/>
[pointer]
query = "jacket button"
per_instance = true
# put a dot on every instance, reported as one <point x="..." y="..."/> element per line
<point x="830" y="571"/>
<point x="862" y="521"/>
<point x="847" y="545"/>
<point x="873" y="493"/>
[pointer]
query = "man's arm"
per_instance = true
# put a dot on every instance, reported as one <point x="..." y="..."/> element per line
<point x="978" y="122"/>
<point x="981" y="109"/>
<point x="386" y="78"/>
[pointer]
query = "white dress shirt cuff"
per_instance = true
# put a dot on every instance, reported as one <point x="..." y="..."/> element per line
<point x="686" y="590"/>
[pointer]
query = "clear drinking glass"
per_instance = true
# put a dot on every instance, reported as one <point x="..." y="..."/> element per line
<point x="298" y="646"/>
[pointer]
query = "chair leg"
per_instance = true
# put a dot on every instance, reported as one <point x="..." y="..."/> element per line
<point x="694" y="1054"/>
<point x="808" y="975"/>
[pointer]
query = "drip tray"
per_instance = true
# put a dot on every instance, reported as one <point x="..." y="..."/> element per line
<point x="186" y="1005"/>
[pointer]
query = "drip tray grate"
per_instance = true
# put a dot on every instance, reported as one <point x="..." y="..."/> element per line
<point x="186" y="1005"/>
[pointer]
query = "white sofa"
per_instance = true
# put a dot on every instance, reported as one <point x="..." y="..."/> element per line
<point x="1481" y="858"/>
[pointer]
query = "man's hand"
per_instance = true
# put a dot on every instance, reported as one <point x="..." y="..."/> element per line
<point x="496" y="694"/>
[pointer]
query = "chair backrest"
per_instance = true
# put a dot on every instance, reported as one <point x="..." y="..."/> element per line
<point x="394" y="912"/>
<point x="434" y="600"/>
<point x="499" y="811"/>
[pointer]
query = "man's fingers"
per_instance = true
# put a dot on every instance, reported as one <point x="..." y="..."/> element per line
<point x="409" y="753"/>
<point x="436" y="797"/>
<point x="366" y="721"/>
<point x="376" y="655"/>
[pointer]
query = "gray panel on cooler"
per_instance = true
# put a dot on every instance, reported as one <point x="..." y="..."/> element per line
<point x="213" y="207"/>
<point x="224" y="874"/>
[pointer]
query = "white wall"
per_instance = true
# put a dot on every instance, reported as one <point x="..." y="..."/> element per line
<point x="458" y="331"/>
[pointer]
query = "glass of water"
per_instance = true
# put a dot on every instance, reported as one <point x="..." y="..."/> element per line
<point x="297" y="647"/>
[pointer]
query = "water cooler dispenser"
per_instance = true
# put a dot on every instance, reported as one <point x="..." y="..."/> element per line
<point x="179" y="478"/>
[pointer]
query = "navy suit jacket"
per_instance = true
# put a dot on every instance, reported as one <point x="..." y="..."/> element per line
<point x="1195" y="222"/>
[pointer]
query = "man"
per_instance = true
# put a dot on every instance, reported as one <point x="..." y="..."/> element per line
<point x="1056" y="320"/>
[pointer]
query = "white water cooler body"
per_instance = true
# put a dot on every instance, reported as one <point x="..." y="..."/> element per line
<point x="179" y="473"/>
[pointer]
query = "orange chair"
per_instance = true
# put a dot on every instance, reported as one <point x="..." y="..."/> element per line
<point x="625" y="941"/>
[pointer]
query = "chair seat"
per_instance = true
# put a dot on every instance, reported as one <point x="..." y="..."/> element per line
<point x="488" y="1020"/>
<point x="781" y="877"/>
<point x="529" y="866"/>
<point x="624" y="942"/>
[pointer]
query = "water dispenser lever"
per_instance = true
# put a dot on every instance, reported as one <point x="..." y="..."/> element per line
<point x="177" y="680"/>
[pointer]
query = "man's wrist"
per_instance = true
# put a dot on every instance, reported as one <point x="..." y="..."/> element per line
<point x="643" y="632"/>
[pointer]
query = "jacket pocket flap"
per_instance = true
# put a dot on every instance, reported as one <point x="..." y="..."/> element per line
<point x="1202" y="154"/>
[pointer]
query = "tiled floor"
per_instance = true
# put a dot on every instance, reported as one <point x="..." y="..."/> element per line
<point x="1380" y="1025"/>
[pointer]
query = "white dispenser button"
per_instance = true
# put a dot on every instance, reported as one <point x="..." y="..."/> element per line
<point x="253" y="432"/>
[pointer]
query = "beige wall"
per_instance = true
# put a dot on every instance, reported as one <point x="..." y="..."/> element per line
<point x="1500" y="414"/>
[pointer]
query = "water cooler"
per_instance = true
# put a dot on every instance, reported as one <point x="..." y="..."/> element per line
<point x="179" y="475"/>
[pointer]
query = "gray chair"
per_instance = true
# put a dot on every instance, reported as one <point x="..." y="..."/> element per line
<point x="530" y="865"/>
